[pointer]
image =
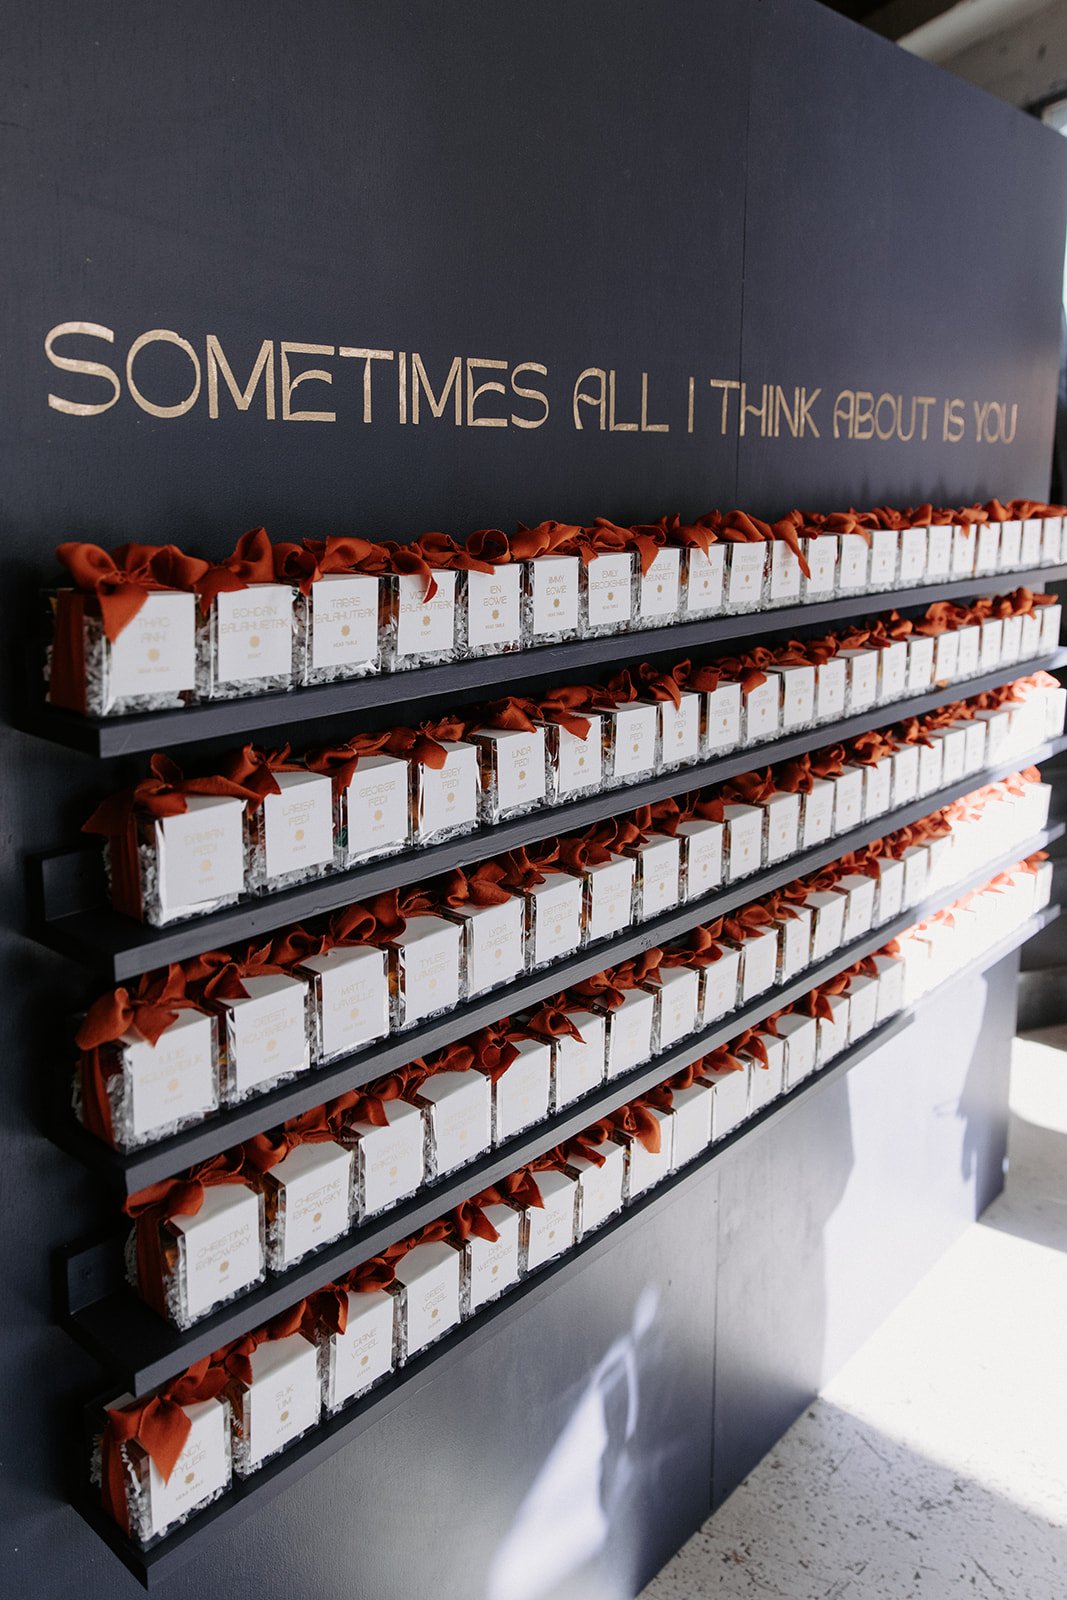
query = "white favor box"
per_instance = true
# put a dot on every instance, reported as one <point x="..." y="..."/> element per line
<point x="953" y="742"/>
<point x="916" y="863"/>
<point x="220" y="1251"/>
<point x="761" y="711"/>
<point x="877" y="787"/>
<point x="425" y="966"/>
<point x="801" y="1035"/>
<point x="893" y="670"/>
<point x="1031" y="543"/>
<point x="938" y="552"/>
<point x="549" y="1229"/>
<point x="783" y="826"/>
<point x="679" y="1004"/>
<point x="493" y="609"/>
<point x="514" y="775"/>
<point x="862" y="1006"/>
<point x="744" y="840"/>
<point x="828" y="927"/>
<point x="946" y="656"/>
<point x="913" y="551"/>
<point x="702" y="856"/>
<point x="553" y="918"/>
<point x="941" y="870"/>
<point x="1030" y="636"/>
<point x="607" y="592"/>
<point x="600" y="1188"/>
<point x="853" y="566"/>
<point x="201" y="1473"/>
<point x="522" y="1094"/>
<point x="491" y="1265"/>
<point x="746" y="565"/>
<point x="848" y="799"/>
<point x="964" y="546"/>
<point x="990" y="644"/>
<point x="680" y="733"/>
<point x="885" y="555"/>
<point x="297" y="827"/>
<point x="783" y="585"/>
<point x="425" y="629"/>
<point x="283" y="1402"/>
<point x="199" y="857"/>
<point x="390" y="1161"/>
<point x="862" y="662"/>
<point x="722" y="718"/>
<point x="374" y="817"/>
<point x="342" y="626"/>
<point x="658" y="884"/>
<point x="647" y="1167"/>
<point x="609" y="897"/>
<point x="822" y="552"/>
<point x="171" y="1083"/>
<point x="998" y="734"/>
<point x="312" y="1193"/>
<point x="1051" y="540"/>
<point x="630" y="739"/>
<point x="831" y="689"/>
<point x="905" y="775"/>
<point x="551" y="597"/>
<point x="974" y="733"/>
<point x="859" y="914"/>
<point x="630" y="1031"/>
<point x="264" y="1037"/>
<point x="921" y="651"/>
<point x="721" y="985"/>
<point x="890" y="890"/>
<point x="817" y="813"/>
<point x="153" y="659"/>
<point x="1011" y="546"/>
<point x="930" y="775"/>
<point x="350" y="999"/>
<point x="759" y="963"/>
<point x="833" y="1030"/>
<point x="253" y="634"/>
<point x="987" y="552"/>
<point x="446" y="799"/>
<point x="692" y="1123"/>
<point x="1042" y="885"/>
<point x="579" y="1066"/>
<point x="766" y="1083"/>
<point x="730" y="1091"/>
<point x="362" y="1355"/>
<point x="970" y="650"/>
<point x="794" y="942"/>
<point x="495" y="944"/>
<point x="427" y="1287"/>
<point x="797" y="696"/>
<point x="1051" y="617"/>
<point x="459" y="1119"/>
<point x="659" y="589"/>
<point x="578" y="763"/>
<point x="702" y="581"/>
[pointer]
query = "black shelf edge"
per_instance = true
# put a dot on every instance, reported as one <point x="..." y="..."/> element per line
<point x="143" y="1351"/>
<point x="117" y="948"/>
<point x="111" y="737"/>
<point x="137" y="1169"/>
<point x="251" y="1495"/>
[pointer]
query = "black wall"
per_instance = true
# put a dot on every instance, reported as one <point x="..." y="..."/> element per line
<point x="723" y="189"/>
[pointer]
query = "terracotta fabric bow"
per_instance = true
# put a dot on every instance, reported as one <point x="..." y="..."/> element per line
<point x="358" y="925"/>
<point x="296" y="945"/>
<point x="786" y="530"/>
<point x="390" y="911"/>
<point x="441" y="550"/>
<point x="482" y="886"/>
<point x="526" y="866"/>
<point x="254" y="769"/>
<point x="236" y="1358"/>
<point x="550" y="1021"/>
<point x="251" y="561"/>
<point x="319" y="1126"/>
<point x="701" y="950"/>
<point x="637" y="1121"/>
<point x="723" y="1059"/>
<point x="146" y="1011"/>
<point x="218" y="975"/>
<point x="587" y="1143"/>
<point x="340" y="762"/>
<point x="566" y="706"/>
<point x="747" y="922"/>
<point x="575" y="854"/>
<point x="150" y="1208"/>
<point x="493" y="1049"/>
<point x="123" y="579"/>
<point x="426" y="743"/>
<point x="546" y="539"/>
<point x="599" y="990"/>
<point x="750" y="788"/>
<point x="520" y="1188"/>
<point x="514" y="713"/>
<point x="408" y="560"/>
<point x="159" y="1425"/>
<point x="468" y="1220"/>
<point x="667" y="685"/>
<point x="368" y="1104"/>
<point x="737" y="527"/>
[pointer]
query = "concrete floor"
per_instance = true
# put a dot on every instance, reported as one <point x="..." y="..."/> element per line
<point x="935" y="1464"/>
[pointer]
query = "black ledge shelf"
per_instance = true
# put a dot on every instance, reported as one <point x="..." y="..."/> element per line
<point x="66" y="886"/>
<point x="248" y="1496"/>
<point x="108" y="737"/>
<point x="138" y="1168"/>
<point x="142" y="1351"/>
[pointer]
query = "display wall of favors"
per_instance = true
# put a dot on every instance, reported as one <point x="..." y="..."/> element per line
<point x="148" y="627"/>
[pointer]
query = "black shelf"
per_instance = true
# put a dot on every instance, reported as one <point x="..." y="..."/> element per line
<point x="138" y="1168"/>
<point x="67" y="886"/>
<point x="251" y="1495"/>
<point x="109" y="737"/>
<point x="142" y="1351"/>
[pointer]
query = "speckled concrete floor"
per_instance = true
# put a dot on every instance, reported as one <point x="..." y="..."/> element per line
<point x="935" y="1464"/>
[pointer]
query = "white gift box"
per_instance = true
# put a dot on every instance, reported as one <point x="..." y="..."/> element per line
<point x="579" y="1065"/>
<point x="890" y="890"/>
<point x="930" y="774"/>
<point x="794" y="942"/>
<point x="1028" y="719"/>
<point x="702" y="583"/>
<point x="264" y="1036"/>
<point x="721" y="984"/>
<point x="766" y="1083"/>
<point x="630" y="740"/>
<point x="822" y="553"/>
<point x="828" y="926"/>
<point x="946" y="656"/>
<point x="964" y="546"/>
<point x="905" y="775"/>
<point x="921" y="652"/>
<point x="425" y="629"/>
<point x="1042" y="885"/>
<point x="658" y="885"/>
<point x="885" y="554"/>
<point x="848" y="799"/>
<point x="915" y="952"/>
<point x="998" y="734"/>
<point x="953" y="742"/>
<point x="746" y="565"/>
<point x="974" y="743"/>
<point x="797" y="695"/>
<point x="390" y="1161"/>
<point x="1031" y="543"/>
<point x="297" y="827"/>
<point x="151" y="664"/>
<point x="201" y="1473"/>
<point x="647" y="1167"/>
<point x="490" y="1265"/>
<point x="553" y="917"/>
<point x="817" y="813"/>
<point x="970" y="651"/>
<point x="199" y="857"/>
<point x="782" y="832"/>
<point x="1030" y="634"/>
<point x="374" y="811"/>
<point x="549" y="1229"/>
<point x="893" y="670"/>
<point x="1051" y="617"/>
<point x="853" y="565"/>
<point x="631" y="1029"/>
<point x="609" y="897"/>
<point x="783" y="585"/>
<point x="342" y="621"/>
<point x="253" y="630"/>
<point x="862" y="662"/>
<point x="744" y="840"/>
<point x="350" y="999"/>
<point x="890" y="986"/>
<point x="522" y="1095"/>
<point x="877" y="787"/>
<point x="859" y="913"/>
<point x="759" y="963"/>
<point x="659" y="589"/>
<point x="362" y="1355"/>
<point x="459" y="1119"/>
<point x="1055" y="710"/>
<point x="283" y="1401"/>
<point x="1051" y="540"/>
<point x="495" y="944"/>
<point x="446" y="799"/>
<point x="221" y="1251"/>
<point x="168" y="1084"/>
<point x="600" y="1187"/>
<point x="607" y="591"/>
<point x="862" y="1006"/>
<point x="801" y="1035"/>
<point x="722" y="718"/>
<point x="513" y="769"/>
<point x="578" y="763"/>
<point x="426" y="962"/>
<point x="913" y="550"/>
<point x="428" y="1288"/>
<point x="941" y="869"/>
<point x="990" y="644"/>
<point x="762" y="712"/>
<point x="831" y="689"/>
<point x="692" y="1123"/>
<point x="493" y="609"/>
<point x="916" y="867"/>
<point x="680" y="733"/>
<point x="938" y="552"/>
<point x="1011" y="546"/>
<point x="551" y="598"/>
<point x="311" y="1190"/>
<point x="730" y="1090"/>
<point x="702" y="856"/>
<point x="833" y="1030"/>
<point x="679" y="1004"/>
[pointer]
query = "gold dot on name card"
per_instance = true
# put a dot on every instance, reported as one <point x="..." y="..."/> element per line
<point x="433" y="983"/>
<point x="636" y="748"/>
<point x="659" y="588"/>
<point x="435" y="1313"/>
<point x="559" y="929"/>
<point x="494" y="1272"/>
<point x="451" y="799"/>
<point x="522" y="774"/>
<point x="611" y="594"/>
<point x="190" y="1477"/>
<point x="272" y="1044"/>
<point x="153" y="655"/>
<point x="224" y="1267"/>
<point x="551" y="1233"/>
<point x="173" y="1086"/>
<point x="284" y="1417"/>
<point x="317" y="1218"/>
<point x="496" y="615"/>
<point x="392" y="1172"/>
<point x="363" y="1360"/>
<point x="205" y="865"/>
<point x="581" y="761"/>
<point x="354" y="1013"/>
<point x="556" y="602"/>
<point x="497" y="953"/>
<point x="378" y="815"/>
<point x="255" y="641"/>
<point x="299" y="834"/>
<point x="345" y="630"/>
<point x="426" y="622"/>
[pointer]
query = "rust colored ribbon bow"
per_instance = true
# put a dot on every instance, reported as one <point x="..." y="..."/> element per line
<point x="637" y="1120"/>
<point x="550" y="1021"/>
<point x="147" y="1011"/>
<point x="340" y="762"/>
<point x="159" y="1425"/>
<point x="483" y="886"/>
<point x="123" y="579"/>
<point x="547" y="538"/>
<point x="426" y="743"/>
<point x="150" y="1208"/>
<point x="566" y="705"/>
<point x="251" y="561"/>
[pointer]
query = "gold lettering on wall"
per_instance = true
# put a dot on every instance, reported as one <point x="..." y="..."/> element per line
<point x="163" y="336"/>
<point x="289" y="347"/>
<point x="242" y="398"/>
<point x="92" y="369"/>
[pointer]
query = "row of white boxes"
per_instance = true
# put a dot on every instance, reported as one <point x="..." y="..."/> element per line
<point x="323" y="1188"/>
<point x="222" y="849"/>
<point x="270" y="637"/>
<point x="298" y="1378"/>
<point x="349" y="998"/>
